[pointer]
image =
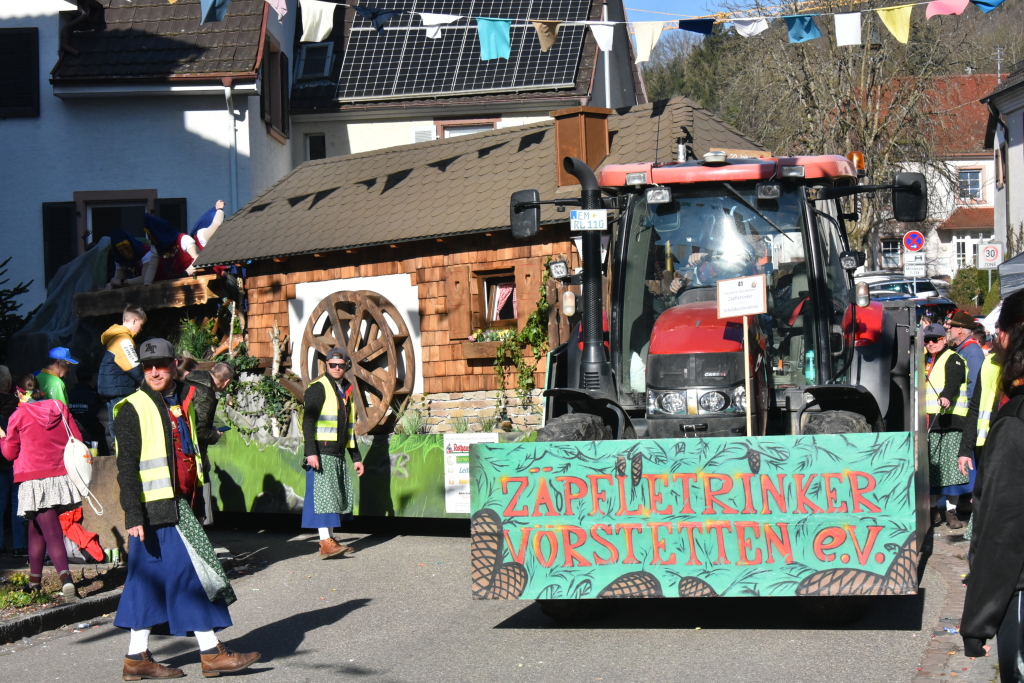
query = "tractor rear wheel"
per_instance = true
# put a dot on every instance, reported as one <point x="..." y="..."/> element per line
<point x="836" y="422"/>
<point x="575" y="427"/>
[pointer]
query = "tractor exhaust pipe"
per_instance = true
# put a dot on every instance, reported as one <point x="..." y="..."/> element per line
<point x="595" y="369"/>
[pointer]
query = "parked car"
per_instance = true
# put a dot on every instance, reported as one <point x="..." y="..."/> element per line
<point x="918" y="289"/>
<point x="937" y="308"/>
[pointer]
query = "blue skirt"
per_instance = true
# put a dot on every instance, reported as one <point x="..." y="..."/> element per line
<point x="163" y="592"/>
<point x="311" y="520"/>
<point x="958" y="489"/>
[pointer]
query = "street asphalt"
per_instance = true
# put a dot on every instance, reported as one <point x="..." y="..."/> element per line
<point x="399" y="610"/>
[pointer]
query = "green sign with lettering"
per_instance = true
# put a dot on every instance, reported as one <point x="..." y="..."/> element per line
<point x="787" y="515"/>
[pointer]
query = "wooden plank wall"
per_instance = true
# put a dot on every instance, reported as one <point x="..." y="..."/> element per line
<point x="271" y="283"/>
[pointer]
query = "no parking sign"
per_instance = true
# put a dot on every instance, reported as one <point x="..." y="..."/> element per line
<point x="913" y="241"/>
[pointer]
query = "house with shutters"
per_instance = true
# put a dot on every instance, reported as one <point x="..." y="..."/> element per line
<point x="1004" y="139"/>
<point x="111" y="108"/>
<point x="116" y="107"/>
<point x="403" y="254"/>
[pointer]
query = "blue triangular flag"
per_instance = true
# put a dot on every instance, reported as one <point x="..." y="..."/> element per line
<point x="987" y="6"/>
<point x="377" y="17"/>
<point x="697" y="25"/>
<point x="802" y="28"/>
<point x="213" y="10"/>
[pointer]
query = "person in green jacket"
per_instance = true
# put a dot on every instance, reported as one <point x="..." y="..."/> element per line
<point x="51" y="377"/>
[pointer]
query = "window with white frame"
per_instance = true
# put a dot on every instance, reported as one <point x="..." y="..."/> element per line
<point x="965" y="249"/>
<point x="891" y="253"/>
<point x="970" y="184"/>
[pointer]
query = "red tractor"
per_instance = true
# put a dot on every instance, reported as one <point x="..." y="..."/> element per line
<point x="823" y="358"/>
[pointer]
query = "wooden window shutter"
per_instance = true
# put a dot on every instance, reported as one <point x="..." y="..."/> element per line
<point x="19" y="78"/>
<point x="457" y="292"/>
<point x="174" y="212"/>
<point x="285" y="99"/>
<point x="528" y="282"/>
<point x="60" y="237"/>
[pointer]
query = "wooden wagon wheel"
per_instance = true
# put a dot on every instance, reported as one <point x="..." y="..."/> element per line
<point x="377" y="339"/>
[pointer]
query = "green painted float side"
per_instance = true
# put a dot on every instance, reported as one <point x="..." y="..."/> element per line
<point x="404" y="477"/>
<point x="770" y="516"/>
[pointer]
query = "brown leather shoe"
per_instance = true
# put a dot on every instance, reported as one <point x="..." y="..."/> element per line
<point x="226" y="661"/>
<point x="329" y="548"/>
<point x="952" y="521"/>
<point x="136" y="670"/>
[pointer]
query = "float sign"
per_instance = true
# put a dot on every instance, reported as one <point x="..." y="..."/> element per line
<point x="742" y="296"/>
<point x="990" y="255"/>
<point x="456" y="469"/>
<point x="807" y="515"/>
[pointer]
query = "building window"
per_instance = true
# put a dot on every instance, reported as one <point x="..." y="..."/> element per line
<point x="965" y="249"/>
<point x="970" y="185"/>
<point x="274" y="91"/>
<point x="456" y="127"/>
<point x="19" y="84"/>
<point x="891" y="254"/>
<point x="500" y="299"/>
<point x="60" y="232"/>
<point x="316" y="146"/>
<point x="315" y="61"/>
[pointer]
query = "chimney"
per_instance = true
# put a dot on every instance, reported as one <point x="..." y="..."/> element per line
<point x="580" y="132"/>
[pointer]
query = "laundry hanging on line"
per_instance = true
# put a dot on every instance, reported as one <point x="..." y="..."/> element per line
<point x="547" y="33"/>
<point x="848" y="29"/>
<point x="317" y="20"/>
<point x="433" y="22"/>
<point x="495" y="38"/>
<point x="802" y="28"/>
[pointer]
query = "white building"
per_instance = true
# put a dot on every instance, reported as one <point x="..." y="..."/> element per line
<point x="144" y="109"/>
<point x="1005" y="137"/>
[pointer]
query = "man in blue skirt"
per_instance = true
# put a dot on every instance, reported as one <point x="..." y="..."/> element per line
<point x="175" y="583"/>
<point x="328" y="430"/>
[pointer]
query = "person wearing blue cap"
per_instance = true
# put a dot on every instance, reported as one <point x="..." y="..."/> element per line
<point x="51" y="377"/>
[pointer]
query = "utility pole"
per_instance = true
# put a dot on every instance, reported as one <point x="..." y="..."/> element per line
<point x="1000" y="50"/>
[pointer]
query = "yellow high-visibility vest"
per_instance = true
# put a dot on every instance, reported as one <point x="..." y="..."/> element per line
<point x="327" y="422"/>
<point x="988" y="385"/>
<point x="154" y="464"/>
<point x="937" y="382"/>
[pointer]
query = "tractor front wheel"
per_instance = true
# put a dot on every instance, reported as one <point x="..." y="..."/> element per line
<point x="575" y="427"/>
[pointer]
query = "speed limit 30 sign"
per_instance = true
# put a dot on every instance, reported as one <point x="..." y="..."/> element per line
<point x="990" y="255"/>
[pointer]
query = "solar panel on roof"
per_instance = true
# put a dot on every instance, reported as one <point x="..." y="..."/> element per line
<point x="405" y="63"/>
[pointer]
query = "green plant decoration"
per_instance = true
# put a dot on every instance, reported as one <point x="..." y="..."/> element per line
<point x="195" y="339"/>
<point x="535" y="334"/>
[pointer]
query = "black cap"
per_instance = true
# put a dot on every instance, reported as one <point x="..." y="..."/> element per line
<point x="156" y="349"/>
<point x="338" y="352"/>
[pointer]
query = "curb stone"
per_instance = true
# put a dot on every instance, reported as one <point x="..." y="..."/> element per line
<point x="55" y="617"/>
<point x="944" y="659"/>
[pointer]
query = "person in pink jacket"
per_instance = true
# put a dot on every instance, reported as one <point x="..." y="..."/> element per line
<point x="35" y="440"/>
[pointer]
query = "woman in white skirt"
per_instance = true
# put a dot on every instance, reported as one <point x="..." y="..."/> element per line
<point x="36" y="435"/>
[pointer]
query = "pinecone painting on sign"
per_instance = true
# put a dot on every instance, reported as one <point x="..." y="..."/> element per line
<point x="692" y="587"/>
<point x="633" y="585"/>
<point x="492" y="579"/>
<point x="899" y="579"/>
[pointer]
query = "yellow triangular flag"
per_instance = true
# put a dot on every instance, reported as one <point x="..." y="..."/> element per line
<point x="897" y="20"/>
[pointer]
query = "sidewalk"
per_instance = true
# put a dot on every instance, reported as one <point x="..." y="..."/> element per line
<point x="944" y="659"/>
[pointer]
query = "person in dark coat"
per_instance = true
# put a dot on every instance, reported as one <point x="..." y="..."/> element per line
<point x="206" y="385"/>
<point x="994" y="604"/>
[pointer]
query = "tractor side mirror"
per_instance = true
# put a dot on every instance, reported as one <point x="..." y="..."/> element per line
<point x="910" y="198"/>
<point x="524" y="214"/>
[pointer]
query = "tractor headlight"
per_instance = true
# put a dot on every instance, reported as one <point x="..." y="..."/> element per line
<point x="670" y="402"/>
<point x="713" y="401"/>
<point x="739" y="398"/>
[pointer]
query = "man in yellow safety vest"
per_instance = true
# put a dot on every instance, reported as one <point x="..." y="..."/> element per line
<point x="175" y="583"/>
<point x="946" y="406"/>
<point x="328" y="430"/>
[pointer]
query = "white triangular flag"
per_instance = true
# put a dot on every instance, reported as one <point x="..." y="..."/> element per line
<point x="604" y="33"/>
<point x="848" y="29"/>
<point x="317" y="20"/>
<point x="647" y="34"/>
<point x="748" y="28"/>
<point x="433" y="22"/>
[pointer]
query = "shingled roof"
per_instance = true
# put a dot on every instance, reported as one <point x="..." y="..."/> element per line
<point x="445" y="187"/>
<point x="134" y="40"/>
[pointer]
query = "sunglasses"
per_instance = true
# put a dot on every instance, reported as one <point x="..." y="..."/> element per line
<point x="933" y="340"/>
<point x="336" y="365"/>
<point x="159" y="364"/>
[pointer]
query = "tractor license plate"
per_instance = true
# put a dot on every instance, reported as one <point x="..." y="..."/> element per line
<point x="592" y="219"/>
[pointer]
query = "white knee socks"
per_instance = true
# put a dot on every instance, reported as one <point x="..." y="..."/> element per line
<point x="139" y="642"/>
<point x="950" y="505"/>
<point x="207" y="640"/>
<point x="325" y="533"/>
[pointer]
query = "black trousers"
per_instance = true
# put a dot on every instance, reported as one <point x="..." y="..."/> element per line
<point x="1009" y="640"/>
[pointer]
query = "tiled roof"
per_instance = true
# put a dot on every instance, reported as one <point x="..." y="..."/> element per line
<point x="1012" y="80"/>
<point x="959" y="116"/>
<point x="445" y="187"/>
<point x="970" y="218"/>
<point x="153" y="39"/>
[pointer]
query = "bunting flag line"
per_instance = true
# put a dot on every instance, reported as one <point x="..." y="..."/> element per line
<point x="987" y="6"/>
<point x="604" y="33"/>
<point x="376" y="16"/>
<point x="802" y="28"/>
<point x="897" y="20"/>
<point x="433" y="22"/>
<point x="279" y="6"/>
<point x="647" y="34"/>
<point x="702" y="26"/>
<point x="547" y="33"/>
<point x="213" y="10"/>
<point x="317" y="20"/>
<point x="495" y="38"/>
<point x="848" y="29"/>
<point x="939" y="7"/>
<point x="748" y="28"/>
